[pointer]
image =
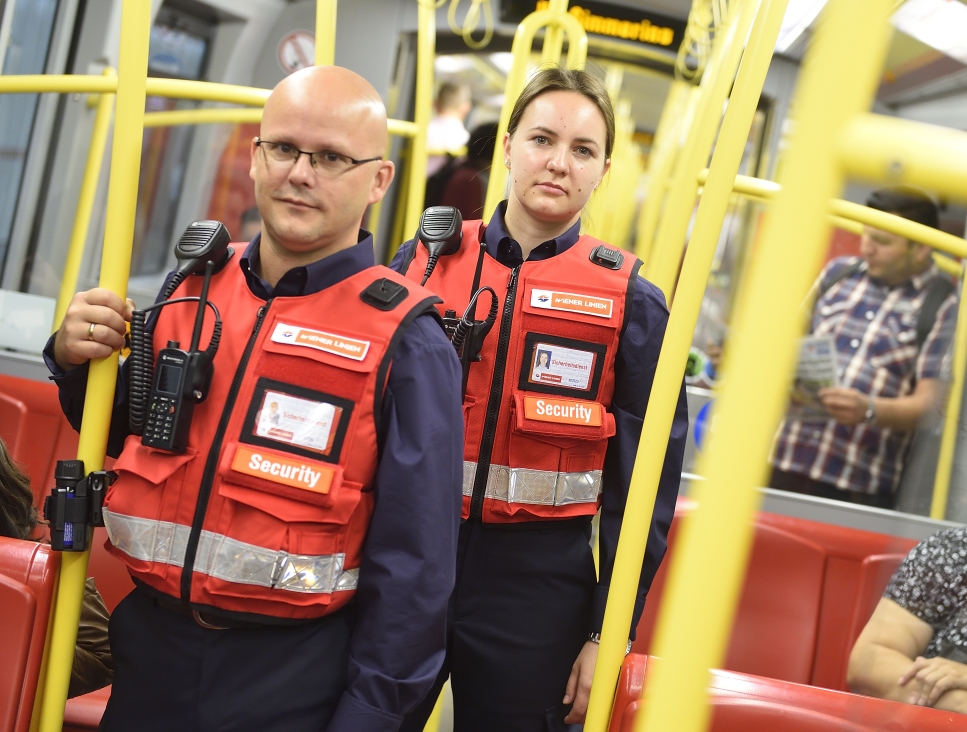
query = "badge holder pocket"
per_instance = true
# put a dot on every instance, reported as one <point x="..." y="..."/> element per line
<point x="545" y="450"/>
<point x="148" y="490"/>
<point x="287" y="487"/>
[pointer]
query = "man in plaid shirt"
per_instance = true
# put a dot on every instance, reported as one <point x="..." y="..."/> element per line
<point x="888" y="381"/>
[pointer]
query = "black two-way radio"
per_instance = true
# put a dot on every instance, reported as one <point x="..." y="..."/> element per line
<point x="162" y="400"/>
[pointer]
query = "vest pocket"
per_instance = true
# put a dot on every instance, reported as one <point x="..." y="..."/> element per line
<point x="141" y="508"/>
<point x="554" y="468"/>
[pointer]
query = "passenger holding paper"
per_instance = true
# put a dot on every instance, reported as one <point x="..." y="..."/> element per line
<point x="293" y="565"/>
<point x="554" y="411"/>
<point x="890" y="315"/>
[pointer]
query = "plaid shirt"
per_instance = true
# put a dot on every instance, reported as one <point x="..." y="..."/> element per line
<point x="874" y="327"/>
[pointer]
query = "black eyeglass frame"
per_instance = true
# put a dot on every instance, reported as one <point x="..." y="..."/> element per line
<point x="353" y="162"/>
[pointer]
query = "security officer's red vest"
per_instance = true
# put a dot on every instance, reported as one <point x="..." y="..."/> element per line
<point x="536" y="409"/>
<point x="267" y="511"/>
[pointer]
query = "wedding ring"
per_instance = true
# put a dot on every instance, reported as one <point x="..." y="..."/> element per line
<point x="90" y="331"/>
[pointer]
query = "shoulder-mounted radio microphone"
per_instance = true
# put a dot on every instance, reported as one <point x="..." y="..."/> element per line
<point x="441" y="231"/>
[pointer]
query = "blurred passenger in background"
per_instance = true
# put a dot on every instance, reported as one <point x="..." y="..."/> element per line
<point x="251" y="224"/>
<point x="891" y="315"/>
<point x="462" y="182"/>
<point x="914" y="649"/>
<point x="446" y="133"/>
<point x="92" y="667"/>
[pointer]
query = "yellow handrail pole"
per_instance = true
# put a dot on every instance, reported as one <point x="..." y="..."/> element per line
<point x="945" y="459"/>
<point x="678" y="114"/>
<point x="577" y="52"/>
<point x="416" y="174"/>
<point x="326" y="32"/>
<point x="99" y="402"/>
<point x="716" y="83"/>
<point x="175" y="88"/>
<point x="85" y="201"/>
<point x="660" y="413"/>
<point x="553" y="36"/>
<point x="207" y="91"/>
<point x="839" y="78"/>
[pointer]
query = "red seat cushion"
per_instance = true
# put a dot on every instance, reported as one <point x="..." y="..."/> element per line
<point x="35" y="567"/>
<point x="16" y="631"/>
<point x="83" y="713"/>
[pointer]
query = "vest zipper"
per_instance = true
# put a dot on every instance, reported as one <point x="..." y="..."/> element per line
<point x="204" y="490"/>
<point x="493" y="402"/>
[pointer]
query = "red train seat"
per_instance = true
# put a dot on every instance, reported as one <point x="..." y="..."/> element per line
<point x="869" y="713"/>
<point x="743" y="715"/>
<point x="19" y="614"/>
<point x="776" y="625"/>
<point x="35" y="430"/>
<point x="29" y="570"/>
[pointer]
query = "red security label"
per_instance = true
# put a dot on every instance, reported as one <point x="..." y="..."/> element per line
<point x="563" y="411"/>
<point x="305" y="474"/>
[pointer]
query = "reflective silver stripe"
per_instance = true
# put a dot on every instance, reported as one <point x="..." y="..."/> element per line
<point x="228" y="559"/>
<point x="538" y="487"/>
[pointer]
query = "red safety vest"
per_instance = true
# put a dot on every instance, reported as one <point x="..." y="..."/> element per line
<point x="536" y="409"/>
<point x="267" y="511"/>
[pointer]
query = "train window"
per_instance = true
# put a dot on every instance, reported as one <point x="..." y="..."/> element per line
<point x="180" y="40"/>
<point x="28" y="42"/>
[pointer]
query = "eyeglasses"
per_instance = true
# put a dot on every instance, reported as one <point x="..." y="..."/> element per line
<point x="325" y="162"/>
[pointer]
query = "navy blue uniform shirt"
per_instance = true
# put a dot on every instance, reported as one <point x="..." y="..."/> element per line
<point x="634" y="372"/>
<point x="409" y="558"/>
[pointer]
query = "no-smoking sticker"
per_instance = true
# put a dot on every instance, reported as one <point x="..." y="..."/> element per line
<point x="296" y="51"/>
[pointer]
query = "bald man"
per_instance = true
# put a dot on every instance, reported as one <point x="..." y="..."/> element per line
<point x="291" y="574"/>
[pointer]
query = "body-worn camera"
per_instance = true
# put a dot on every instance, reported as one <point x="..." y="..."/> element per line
<point x="73" y="507"/>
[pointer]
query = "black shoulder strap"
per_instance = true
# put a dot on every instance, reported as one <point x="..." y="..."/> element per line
<point x="839" y="274"/>
<point x="938" y="290"/>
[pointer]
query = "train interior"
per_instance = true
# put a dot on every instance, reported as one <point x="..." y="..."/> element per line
<point x="812" y="569"/>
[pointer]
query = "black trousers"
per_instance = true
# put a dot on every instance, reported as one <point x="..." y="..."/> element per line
<point x="171" y="674"/>
<point x="799" y="483"/>
<point x="518" y="619"/>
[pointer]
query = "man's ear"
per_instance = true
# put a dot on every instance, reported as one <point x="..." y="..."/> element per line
<point x="921" y="252"/>
<point x="381" y="181"/>
<point x="253" y="158"/>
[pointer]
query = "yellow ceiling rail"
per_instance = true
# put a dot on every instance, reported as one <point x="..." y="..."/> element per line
<point x="326" y="32"/>
<point x="717" y="81"/>
<point x="858" y="214"/>
<point x="176" y="88"/>
<point x="665" y="389"/>
<point x="838" y="81"/>
<point x="577" y="52"/>
<point x="236" y="115"/>
<point x="99" y="403"/>
<point x="85" y="200"/>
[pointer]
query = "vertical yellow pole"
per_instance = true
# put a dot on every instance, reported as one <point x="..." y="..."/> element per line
<point x="945" y="460"/>
<point x="325" y="32"/>
<point x="838" y="80"/>
<point x="115" y="264"/>
<point x="716" y="83"/>
<point x="671" y="362"/>
<point x="416" y="178"/>
<point x="553" y="36"/>
<point x="85" y="202"/>
<point x="673" y="127"/>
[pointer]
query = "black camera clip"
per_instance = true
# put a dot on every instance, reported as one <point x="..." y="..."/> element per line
<point x="73" y="508"/>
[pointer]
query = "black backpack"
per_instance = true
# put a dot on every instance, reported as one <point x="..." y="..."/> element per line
<point x="938" y="290"/>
